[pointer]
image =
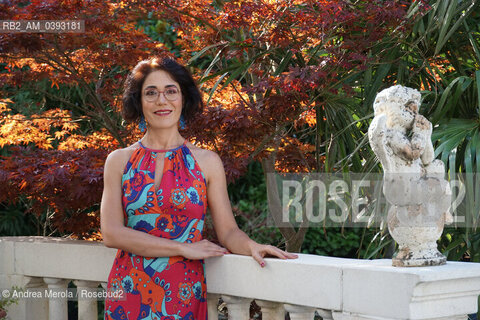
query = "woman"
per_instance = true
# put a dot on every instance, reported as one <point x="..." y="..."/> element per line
<point x="155" y="199"/>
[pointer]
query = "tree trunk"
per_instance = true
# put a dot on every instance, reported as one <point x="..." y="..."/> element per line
<point x="293" y="238"/>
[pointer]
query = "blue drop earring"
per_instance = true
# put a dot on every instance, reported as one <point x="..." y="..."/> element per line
<point x="182" y="122"/>
<point x="142" y="125"/>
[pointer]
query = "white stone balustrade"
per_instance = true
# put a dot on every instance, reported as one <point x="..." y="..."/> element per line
<point x="334" y="288"/>
<point x="238" y="307"/>
<point x="271" y="310"/>
<point x="57" y="308"/>
<point x="87" y="308"/>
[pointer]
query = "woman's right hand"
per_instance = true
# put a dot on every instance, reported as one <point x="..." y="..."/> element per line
<point x="202" y="249"/>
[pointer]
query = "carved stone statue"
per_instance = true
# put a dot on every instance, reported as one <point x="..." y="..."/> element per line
<point x="414" y="182"/>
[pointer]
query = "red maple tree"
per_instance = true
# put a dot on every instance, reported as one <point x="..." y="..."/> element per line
<point x="266" y="68"/>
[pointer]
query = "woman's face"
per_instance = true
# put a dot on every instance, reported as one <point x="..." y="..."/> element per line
<point x="160" y="112"/>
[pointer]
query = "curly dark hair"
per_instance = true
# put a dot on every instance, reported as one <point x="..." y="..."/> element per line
<point x="132" y="104"/>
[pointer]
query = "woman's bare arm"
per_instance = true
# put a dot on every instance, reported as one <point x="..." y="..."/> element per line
<point x="224" y="222"/>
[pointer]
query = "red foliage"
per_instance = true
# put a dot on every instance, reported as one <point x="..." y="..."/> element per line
<point x="345" y="32"/>
<point x="110" y="44"/>
<point x="241" y="122"/>
<point x="65" y="182"/>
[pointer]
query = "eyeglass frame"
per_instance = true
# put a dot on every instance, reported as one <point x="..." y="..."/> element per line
<point x="163" y="92"/>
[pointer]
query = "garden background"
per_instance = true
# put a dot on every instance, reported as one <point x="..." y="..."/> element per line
<point x="288" y="86"/>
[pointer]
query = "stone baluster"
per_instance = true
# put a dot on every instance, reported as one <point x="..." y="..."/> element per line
<point x="271" y="310"/>
<point x="57" y="307"/>
<point x="104" y="286"/>
<point x="212" y="305"/>
<point x="325" y="314"/>
<point x="87" y="306"/>
<point x="38" y="307"/>
<point x="238" y="308"/>
<point x="297" y="312"/>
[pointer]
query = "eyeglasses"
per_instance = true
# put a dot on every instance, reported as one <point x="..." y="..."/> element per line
<point x="152" y="94"/>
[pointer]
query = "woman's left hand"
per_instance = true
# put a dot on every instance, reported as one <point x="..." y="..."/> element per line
<point x="259" y="251"/>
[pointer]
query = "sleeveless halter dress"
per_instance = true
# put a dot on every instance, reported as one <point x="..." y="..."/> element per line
<point x="164" y="288"/>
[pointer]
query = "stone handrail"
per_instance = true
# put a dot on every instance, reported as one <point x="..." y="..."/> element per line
<point x="334" y="288"/>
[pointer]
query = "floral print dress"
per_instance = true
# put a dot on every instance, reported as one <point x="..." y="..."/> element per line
<point x="164" y="288"/>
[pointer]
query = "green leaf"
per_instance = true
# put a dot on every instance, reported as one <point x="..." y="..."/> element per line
<point x="374" y="253"/>
<point x="456" y="243"/>
<point x="476" y="142"/>
<point x="445" y="17"/>
<point x="207" y="71"/>
<point x="452" y="163"/>
<point x="449" y="143"/>
<point x="477" y="78"/>
<point x="212" y="91"/>
<point x="440" y="111"/>
<point x="283" y="64"/>
<point x="202" y="52"/>
<point x="465" y="11"/>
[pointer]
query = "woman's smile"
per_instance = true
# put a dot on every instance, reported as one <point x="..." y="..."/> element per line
<point x="163" y="112"/>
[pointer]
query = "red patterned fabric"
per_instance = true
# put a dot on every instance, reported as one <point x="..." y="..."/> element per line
<point x="164" y="288"/>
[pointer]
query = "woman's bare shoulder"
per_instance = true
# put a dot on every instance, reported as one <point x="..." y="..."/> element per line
<point x="208" y="160"/>
<point x="118" y="158"/>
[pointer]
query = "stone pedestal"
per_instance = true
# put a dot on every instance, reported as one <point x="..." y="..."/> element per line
<point x="442" y="292"/>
